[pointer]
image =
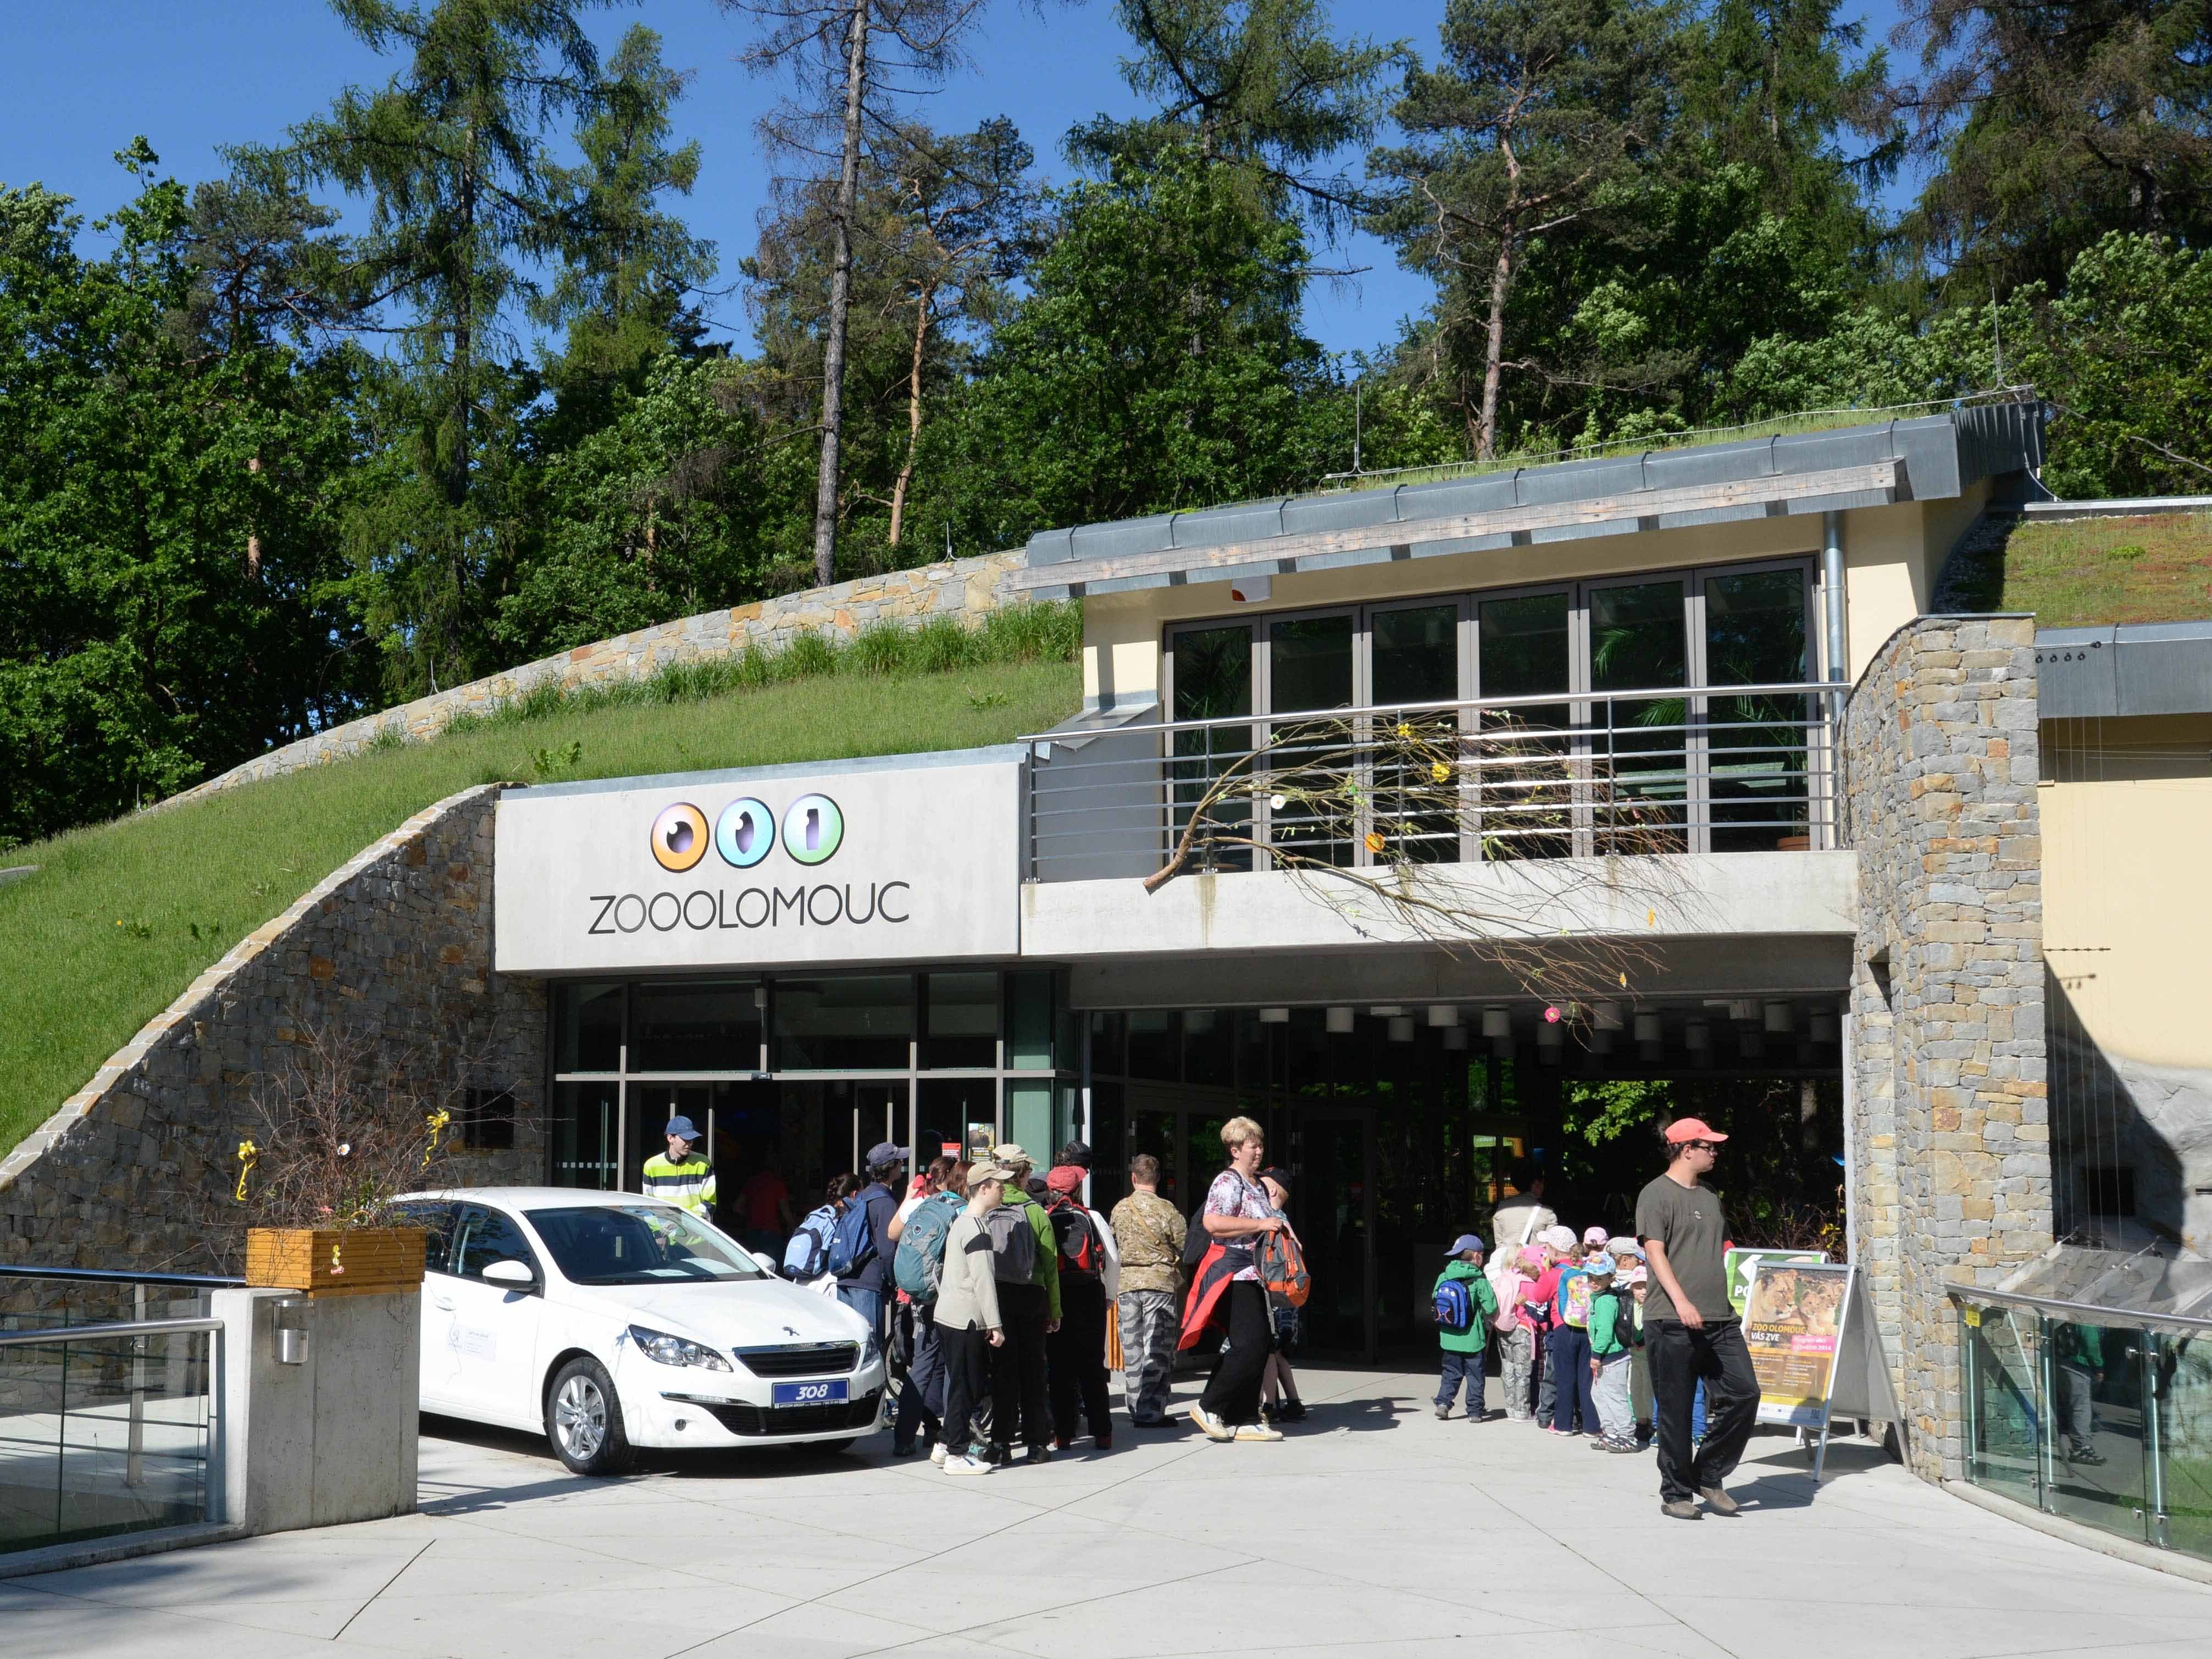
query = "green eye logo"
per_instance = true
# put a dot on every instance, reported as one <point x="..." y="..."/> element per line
<point x="812" y="829"/>
<point x="744" y="833"/>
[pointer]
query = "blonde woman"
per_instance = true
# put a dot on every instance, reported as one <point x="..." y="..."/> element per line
<point x="1228" y="1291"/>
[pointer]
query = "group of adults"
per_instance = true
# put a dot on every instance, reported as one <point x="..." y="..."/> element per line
<point x="1035" y="1346"/>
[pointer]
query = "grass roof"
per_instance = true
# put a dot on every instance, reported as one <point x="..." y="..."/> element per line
<point x="118" y="919"/>
<point x="2081" y="572"/>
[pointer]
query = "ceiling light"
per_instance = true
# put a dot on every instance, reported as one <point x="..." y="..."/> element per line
<point x="1781" y="1016"/>
<point x="1339" y="1022"/>
<point x="1274" y="1017"/>
<point x="1649" y="1029"/>
<point x="1401" y="1028"/>
<point x="1442" y="1016"/>
<point x="1497" y="1022"/>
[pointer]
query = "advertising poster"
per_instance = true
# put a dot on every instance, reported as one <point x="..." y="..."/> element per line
<point x="1794" y="1325"/>
<point x="1738" y="1264"/>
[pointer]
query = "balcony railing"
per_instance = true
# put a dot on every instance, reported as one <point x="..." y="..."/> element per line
<point x="1658" y="770"/>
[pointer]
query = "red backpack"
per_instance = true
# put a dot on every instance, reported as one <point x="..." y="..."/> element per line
<point x="1080" y="1251"/>
<point x="1282" y="1264"/>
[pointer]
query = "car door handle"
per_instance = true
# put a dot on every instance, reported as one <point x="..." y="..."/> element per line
<point x="445" y="1301"/>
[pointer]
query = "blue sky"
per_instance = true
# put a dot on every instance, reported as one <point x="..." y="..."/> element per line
<point x="76" y="83"/>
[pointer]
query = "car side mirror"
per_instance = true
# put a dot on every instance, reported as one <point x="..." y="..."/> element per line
<point x="511" y="1272"/>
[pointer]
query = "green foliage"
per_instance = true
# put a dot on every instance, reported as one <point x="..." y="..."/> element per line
<point x="76" y="986"/>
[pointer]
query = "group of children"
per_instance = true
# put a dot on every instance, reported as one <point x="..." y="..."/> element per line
<point x="1567" y="1315"/>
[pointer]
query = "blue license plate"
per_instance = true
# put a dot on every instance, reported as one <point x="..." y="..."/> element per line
<point x="809" y="1394"/>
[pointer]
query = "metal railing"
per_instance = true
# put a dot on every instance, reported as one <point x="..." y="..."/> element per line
<point x="107" y="1426"/>
<point x="1658" y="770"/>
<point x="2096" y="1413"/>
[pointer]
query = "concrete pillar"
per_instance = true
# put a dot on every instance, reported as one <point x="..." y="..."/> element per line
<point x="331" y="1439"/>
<point x="1949" y="1121"/>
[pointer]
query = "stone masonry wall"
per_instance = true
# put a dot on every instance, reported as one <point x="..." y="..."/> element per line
<point x="136" y="1169"/>
<point x="966" y="589"/>
<point x="1950" y="1124"/>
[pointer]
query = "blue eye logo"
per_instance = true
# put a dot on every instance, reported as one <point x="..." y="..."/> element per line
<point x="812" y="829"/>
<point x="744" y="833"/>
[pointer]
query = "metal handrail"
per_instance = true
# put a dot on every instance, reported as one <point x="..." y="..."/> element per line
<point x="118" y="1276"/>
<point x="47" y="1335"/>
<point x="1447" y="705"/>
<point x="2105" y="1314"/>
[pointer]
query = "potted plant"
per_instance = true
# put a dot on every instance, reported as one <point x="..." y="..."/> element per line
<point x="342" y="1127"/>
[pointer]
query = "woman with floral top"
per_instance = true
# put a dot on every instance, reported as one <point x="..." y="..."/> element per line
<point x="1228" y="1289"/>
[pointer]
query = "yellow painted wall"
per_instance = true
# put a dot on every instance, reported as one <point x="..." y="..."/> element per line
<point x="1891" y="555"/>
<point x="2127" y="881"/>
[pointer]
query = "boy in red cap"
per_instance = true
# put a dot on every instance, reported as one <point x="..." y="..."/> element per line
<point x="1691" y="1329"/>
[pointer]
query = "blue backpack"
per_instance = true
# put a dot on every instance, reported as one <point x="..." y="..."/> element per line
<point x="852" y="1242"/>
<point x="1451" y="1306"/>
<point x="918" y="1267"/>
<point x="807" y="1255"/>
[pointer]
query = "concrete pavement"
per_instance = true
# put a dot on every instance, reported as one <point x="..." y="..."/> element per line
<point x="1373" y="1530"/>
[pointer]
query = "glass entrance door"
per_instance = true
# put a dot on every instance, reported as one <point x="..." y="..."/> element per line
<point x="1332" y="1209"/>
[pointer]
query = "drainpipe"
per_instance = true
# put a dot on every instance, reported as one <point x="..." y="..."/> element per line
<point x="1832" y="592"/>
<point x="1831" y="587"/>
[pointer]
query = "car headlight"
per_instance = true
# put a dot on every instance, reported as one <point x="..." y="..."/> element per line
<point x="676" y="1349"/>
<point x="871" y="1350"/>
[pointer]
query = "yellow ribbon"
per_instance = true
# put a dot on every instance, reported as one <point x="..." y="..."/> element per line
<point x="336" y="1267"/>
<point x="437" y="1121"/>
<point x="247" y="1154"/>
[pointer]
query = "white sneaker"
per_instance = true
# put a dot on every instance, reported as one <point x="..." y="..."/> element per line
<point x="1210" y="1426"/>
<point x="966" y="1464"/>
<point x="1256" y="1431"/>
<point x="937" y="1454"/>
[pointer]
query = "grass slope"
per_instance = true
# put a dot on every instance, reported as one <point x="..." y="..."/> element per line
<point x="121" y="918"/>
<point x="2086" y="571"/>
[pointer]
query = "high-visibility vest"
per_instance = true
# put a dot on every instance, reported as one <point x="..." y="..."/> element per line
<point x="689" y="1185"/>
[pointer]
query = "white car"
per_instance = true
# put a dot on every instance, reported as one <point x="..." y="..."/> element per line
<point x="612" y="1322"/>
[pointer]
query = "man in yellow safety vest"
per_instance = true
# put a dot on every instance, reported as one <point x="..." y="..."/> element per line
<point x="682" y="1175"/>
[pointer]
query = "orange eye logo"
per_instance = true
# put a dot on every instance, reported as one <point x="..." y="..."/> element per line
<point x="679" y="836"/>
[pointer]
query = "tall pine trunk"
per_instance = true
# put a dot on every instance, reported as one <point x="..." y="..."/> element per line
<point x="841" y="285"/>
<point x="913" y="409"/>
<point x="1493" y="349"/>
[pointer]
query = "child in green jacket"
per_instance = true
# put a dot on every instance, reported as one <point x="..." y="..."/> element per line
<point x="1463" y="1341"/>
<point x="1612" y="1338"/>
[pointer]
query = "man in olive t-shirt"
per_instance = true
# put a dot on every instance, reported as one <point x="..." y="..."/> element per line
<point x="1691" y="1330"/>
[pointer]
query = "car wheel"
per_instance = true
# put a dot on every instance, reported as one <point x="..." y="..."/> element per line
<point x="583" y="1420"/>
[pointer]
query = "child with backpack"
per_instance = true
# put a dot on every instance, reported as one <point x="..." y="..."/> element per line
<point x="1279" y="1384"/>
<point x="1516" y="1337"/>
<point x="969" y="1325"/>
<point x="1612" y="1337"/>
<point x="1465" y="1306"/>
<point x="1574" y="1411"/>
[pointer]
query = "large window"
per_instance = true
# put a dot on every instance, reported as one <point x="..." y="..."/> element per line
<point x="1575" y="761"/>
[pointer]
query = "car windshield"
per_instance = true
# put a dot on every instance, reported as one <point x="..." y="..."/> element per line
<point x="639" y="1244"/>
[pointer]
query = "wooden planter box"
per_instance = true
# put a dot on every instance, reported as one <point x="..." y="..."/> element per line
<point x="335" y="1261"/>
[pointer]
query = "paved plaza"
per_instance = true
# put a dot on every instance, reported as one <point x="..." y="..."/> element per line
<point x="1373" y="1530"/>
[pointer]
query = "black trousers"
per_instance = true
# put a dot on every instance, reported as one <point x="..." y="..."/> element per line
<point x="1018" y="1391"/>
<point x="1681" y="1357"/>
<point x="1075" y="1360"/>
<point x="964" y="1356"/>
<point x="1233" y="1396"/>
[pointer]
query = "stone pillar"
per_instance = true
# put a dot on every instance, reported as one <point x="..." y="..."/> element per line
<point x="1950" y="1124"/>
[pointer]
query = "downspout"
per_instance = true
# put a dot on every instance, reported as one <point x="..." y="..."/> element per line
<point x="1832" y="605"/>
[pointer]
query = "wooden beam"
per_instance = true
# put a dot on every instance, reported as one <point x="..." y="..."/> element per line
<point x="1497" y="521"/>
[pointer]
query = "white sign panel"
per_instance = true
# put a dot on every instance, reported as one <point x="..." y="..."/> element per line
<point x="811" y="865"/>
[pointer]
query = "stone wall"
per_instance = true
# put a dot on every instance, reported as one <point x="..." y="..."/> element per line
<point x="136" y="1169"/>
<point x="965" y="590"/>
<point x="1950" y="1124"/>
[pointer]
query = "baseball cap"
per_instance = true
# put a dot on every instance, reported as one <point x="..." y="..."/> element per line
<point x="1692" y="1128"/>
<point x="982" y="1172"/>
<point x="1599" y="1267"/>
<point x="1595" y="1235"/>
<point x="1064" y="1177"/>
<point x="1560" y="1238"/>
<point x="1463" y="1243"/>
<point x="1624" y="1246"/>
<point x="1635" y="1275"/>
<point x="1532" y="1257"/>
<point x="1278" y="1174"/>
<point x="1011" y="1155"/>
<point x="885" y="1152"/>
<point x="684" y="1126"/>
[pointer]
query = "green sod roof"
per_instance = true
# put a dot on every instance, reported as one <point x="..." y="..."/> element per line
<point x="118" y="920"/>
<point x="2081" y="572"/>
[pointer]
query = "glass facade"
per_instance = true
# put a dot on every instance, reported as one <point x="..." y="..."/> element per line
<point x="792" y="1077"/>
<point x="2106" y="1424"/>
